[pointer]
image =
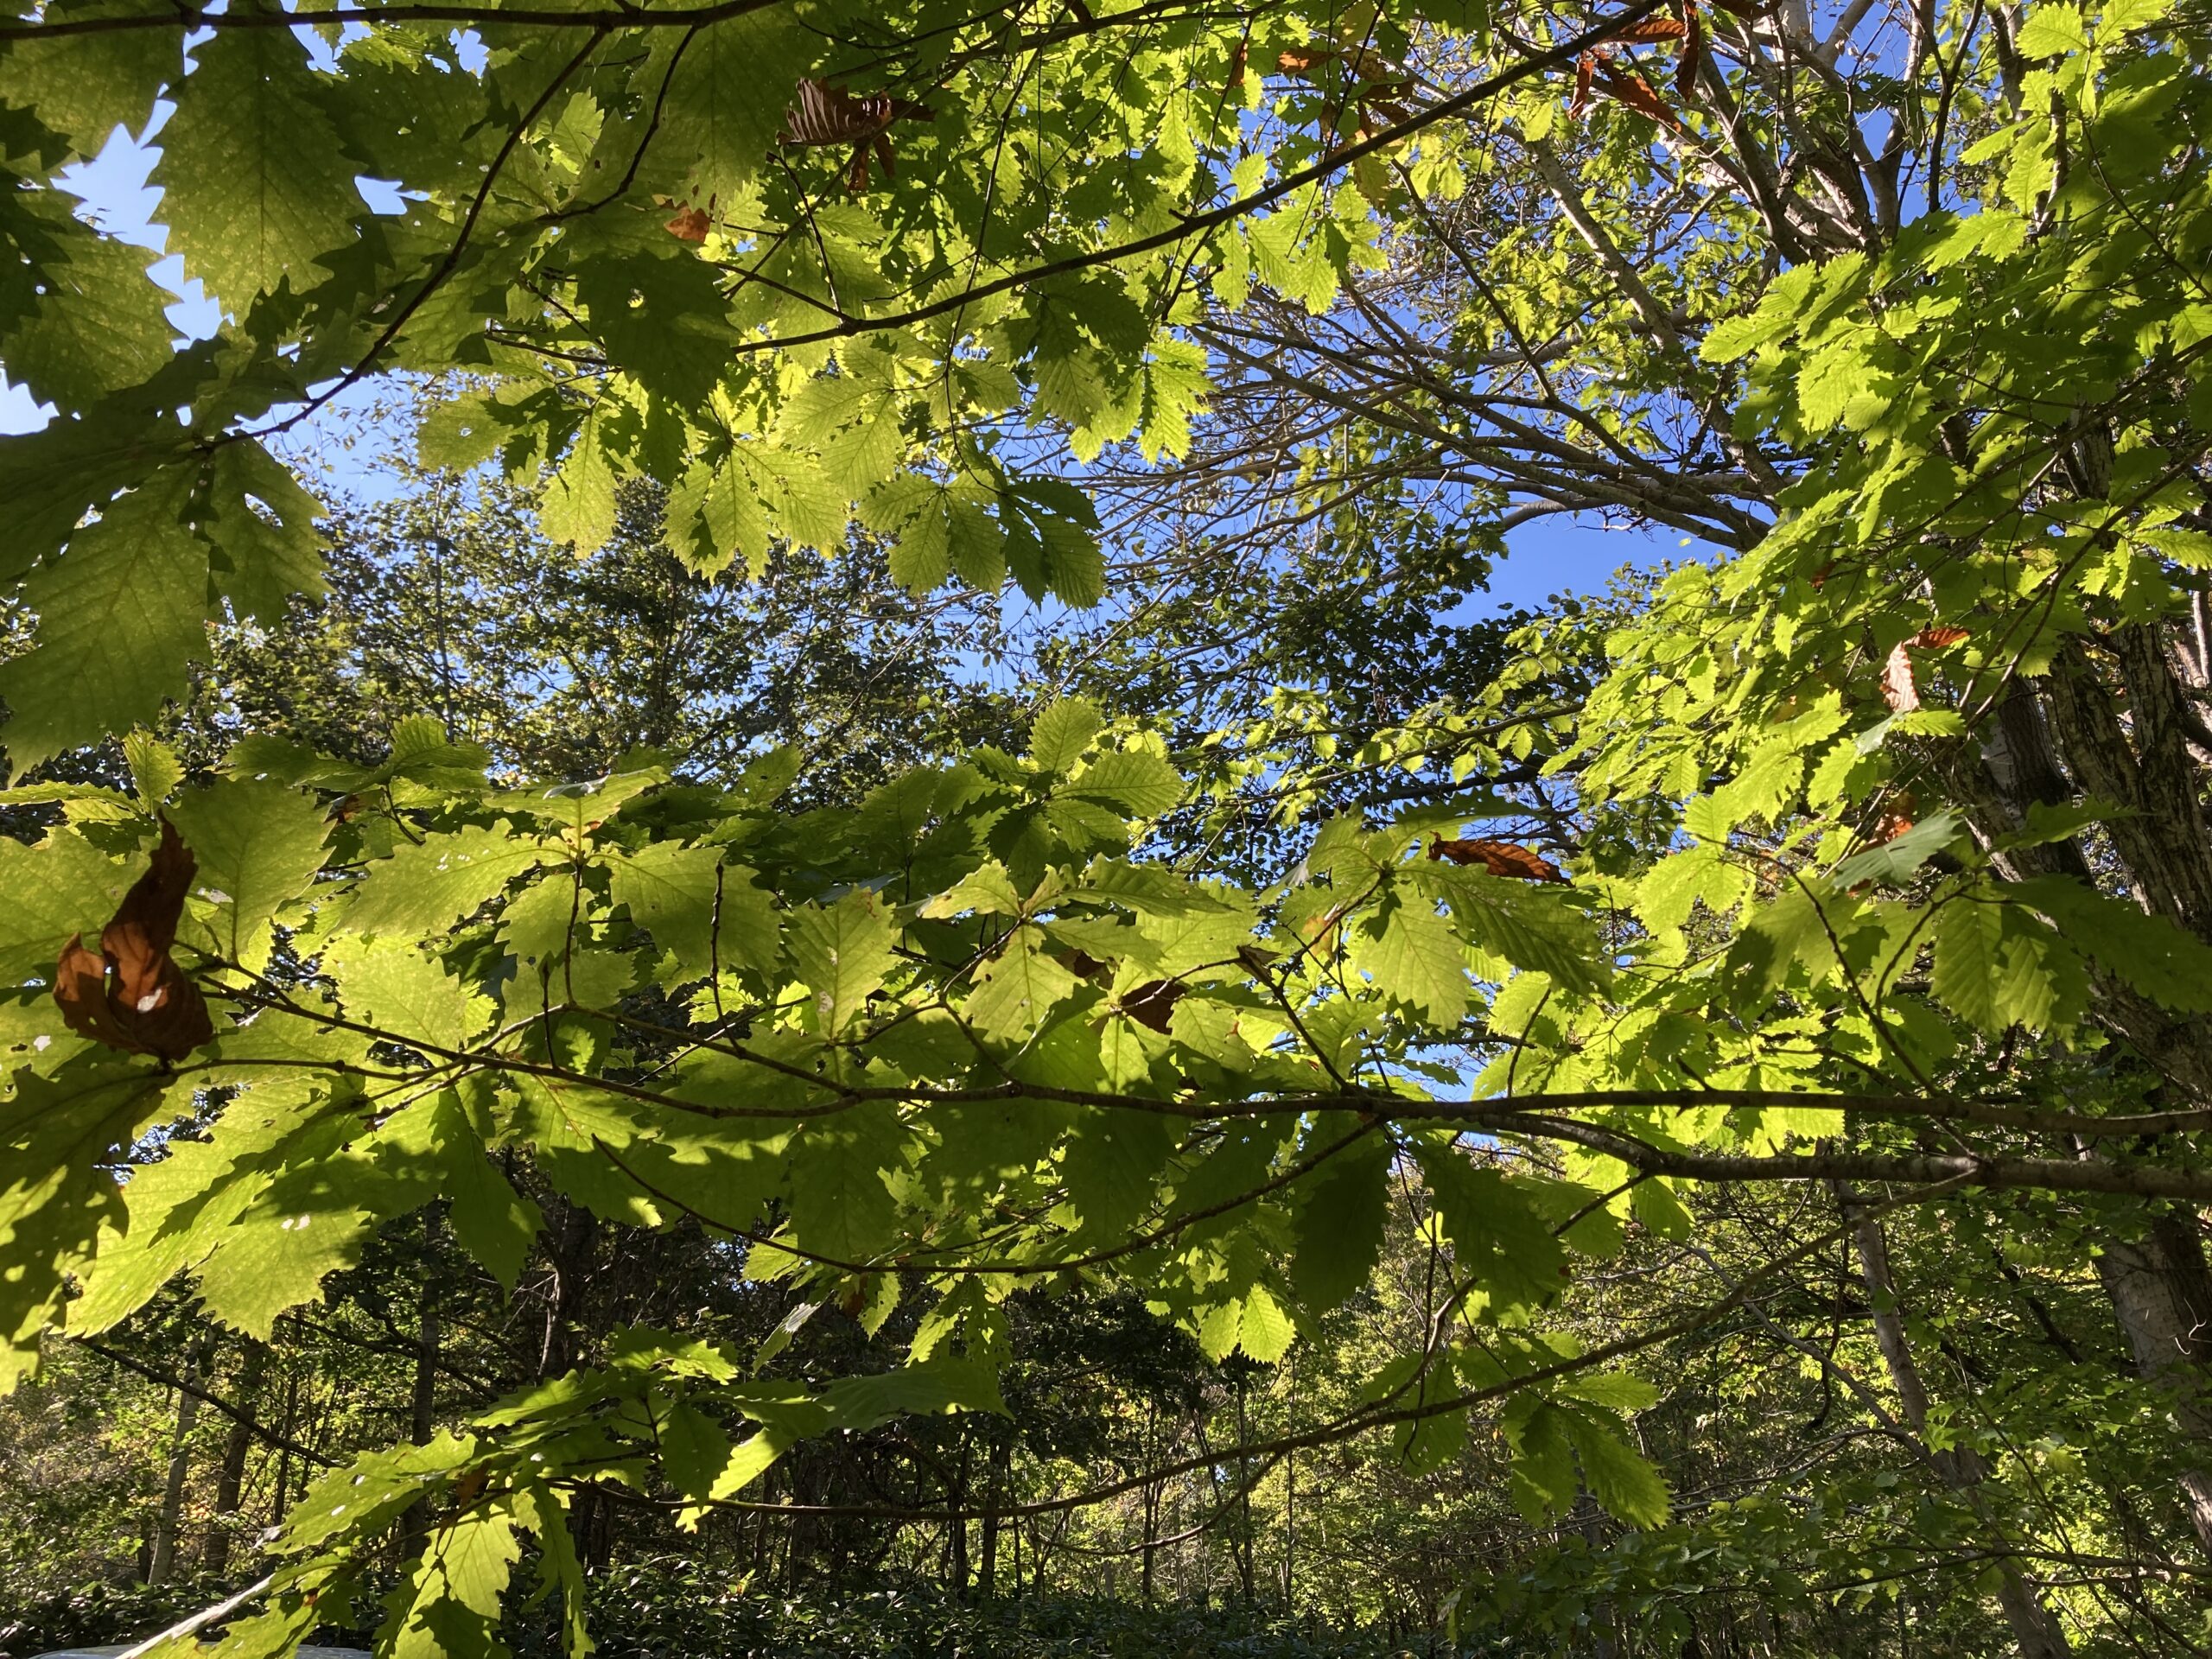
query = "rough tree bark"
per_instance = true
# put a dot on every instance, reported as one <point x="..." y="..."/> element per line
<point x="1960" y="1468"/>
<point x="230" y="1481"/>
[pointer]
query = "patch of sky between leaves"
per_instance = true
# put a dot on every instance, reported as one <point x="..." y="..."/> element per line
<point x="114" y="195"/>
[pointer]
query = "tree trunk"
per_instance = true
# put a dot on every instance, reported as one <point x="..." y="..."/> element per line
<point x="2162" y="1291"/>
<point x="230" y="1482"/>
<point x="2037" y="1633"/>
<point x="2159" y="1287"/>
<point x="572" y="1263"/>
<point x="424" y="1400"/>
<point x="285" y="1452"/>
<point x="163" y="1559"/>
<point x="957" y="1564"/>
<point x="987" y="1569"/>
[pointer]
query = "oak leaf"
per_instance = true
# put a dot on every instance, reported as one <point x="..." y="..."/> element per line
<point x="132" y="995"/>
<point x="689" y="225"/>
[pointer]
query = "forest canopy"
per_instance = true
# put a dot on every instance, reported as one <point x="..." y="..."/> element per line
<point x="764" y="840"/>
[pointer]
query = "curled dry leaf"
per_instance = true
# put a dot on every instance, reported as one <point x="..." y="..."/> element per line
<point x="1653" y="29"/>
<point x="132" y="995"/>
<point x="1626" y="86"/>
<point x="1692" y="52"/>
<point x="1899" y="688"/>
<point x="1939" y="636"/>
<point x="1586" y="71"/>
<point x="824" y="114"/>
<point x="1498" y="857"/>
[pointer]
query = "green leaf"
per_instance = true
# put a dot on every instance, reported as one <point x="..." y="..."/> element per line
<point x="259" y="845"/>
<point x="404" y="993"/>
<point x="120" y="612"/>
<point x="494" y="1223"/>
<point x="1061" y="735"/>
<point x="1532" y="928"/>
<point x="1497" y="1239"/>
<point x="841" y="1207"/>
<point x="455" y="1596"/>
<point x="58" y="1139"/>
<point x="1621" y="1478"/>
<point x="255" y="185"/>
<point x="1132" y="783"/>
<point x="154" y="768"/>
<point x="263" y="525"/>
<point x="727" y="98"/>
<point x="1415" y="957"/>
<point x="1340" y="1219"/>
<point x="1897" y="859"/>
<point x="843" y="954"/>
<point x="86" y="319"/>
<point x="1111" y="1164"/>
<point x="84" y="87"/>
<point x="709" y="915"/>
<point x="1968" y="964"/>
<point x="1020" y="989"/>
<point x="426" y="887"/>
<point x="579" y="506"/>
<point x="2150" y="953"/>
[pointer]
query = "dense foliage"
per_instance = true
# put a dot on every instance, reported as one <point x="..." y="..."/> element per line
<point x="1676" y="1126"/>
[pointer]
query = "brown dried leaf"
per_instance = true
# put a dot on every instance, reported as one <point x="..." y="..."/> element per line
<point x="824" y="114"/>
<point x="1939" y="635"/>
<point x="689" y="225"/>
<point x="1498" y="857"/>
<point x="1692" y="52"/>
<point x="1897" y="818"/>
<point x="1626" y="86"/>
<point x="1652" y="29"/>
<point x="1898" y="689"/>
<point x="133" y="996"/>
<point x="1586" y="69"/>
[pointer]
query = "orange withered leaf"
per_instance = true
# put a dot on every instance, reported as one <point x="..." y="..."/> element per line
<point x="1585" y="70"/>
<point x="1498" y="857"/>
<point x="1939" y="636"/>
<point x="132" y="995"/>
<point x="689" y="225"/>
<point x="1899" y="688"/>
<point x="1626" y="86"/>
<point x="1653" y="29"/>
<point x="1897" y="818"/>
<point x="1692" y="52"/>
